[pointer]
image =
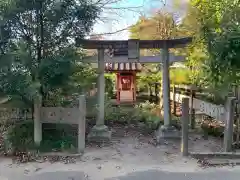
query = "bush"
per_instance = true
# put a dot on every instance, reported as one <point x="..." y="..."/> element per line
<point x="120" y="114"/>
<point x="21" y="136"/>
<point x="148" y="112"/>
<point x="145" y="112"/>
<point x="58" y="137"/>
<point x="109" y="84"/>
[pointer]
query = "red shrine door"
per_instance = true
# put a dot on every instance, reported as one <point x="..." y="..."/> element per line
<point x="126" y="87"/>
<point x="126" y="82"/>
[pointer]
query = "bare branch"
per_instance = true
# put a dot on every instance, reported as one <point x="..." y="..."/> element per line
<point x="114" y="32"/>
<point x="113" y="13"/>
<point x="123" y="8"/>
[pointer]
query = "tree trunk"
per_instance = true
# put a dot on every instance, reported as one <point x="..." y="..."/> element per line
<point x="40" y="50"/>
<point x="150" y="90"/>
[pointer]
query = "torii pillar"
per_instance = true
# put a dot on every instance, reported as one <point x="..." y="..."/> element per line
<point x="166" y="131"/>
<point x="166" y="87"/>
<point x="100" y="132"/>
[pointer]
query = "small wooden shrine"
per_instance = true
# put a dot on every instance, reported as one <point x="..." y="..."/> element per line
<point x="126" y="77"/>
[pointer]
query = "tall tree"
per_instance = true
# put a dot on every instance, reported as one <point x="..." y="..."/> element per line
<point x="161" y="25"/>
<point x="37" y="44"/>
<point x="196" y="52"/>
<point x="220" y="24"/>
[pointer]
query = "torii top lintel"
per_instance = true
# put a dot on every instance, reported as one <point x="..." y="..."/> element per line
<point x="143" y="44"/>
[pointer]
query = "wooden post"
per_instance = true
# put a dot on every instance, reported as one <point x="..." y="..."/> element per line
<point x="185" y="121"/>
<point x="37" y="122"/>
<point x="174" y="99"/>
<point x="238" y="115"/>
<point x="134" y="87"/>
<point x="156" y="93"/>
<point x="161" y="97"/>
<point x="82" y="124"/>
<point x="228" y="132"/>
<point x="117" y="88"/>
<point x="192" y="110"/>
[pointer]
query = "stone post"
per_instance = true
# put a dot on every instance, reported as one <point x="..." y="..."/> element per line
<point x="82" y="124"/>
<point x="185" y="121"/>
<point x="229" y="120"/>
<point x="37" y="122"/>
<point x="100" y="132"/>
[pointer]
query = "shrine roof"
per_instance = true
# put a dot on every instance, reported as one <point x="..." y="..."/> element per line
<point x="123" y="67"/>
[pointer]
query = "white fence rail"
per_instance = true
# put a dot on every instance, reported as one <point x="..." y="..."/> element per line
<point x="202" y="107"/>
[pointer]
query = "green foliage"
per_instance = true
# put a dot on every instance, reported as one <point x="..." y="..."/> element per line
<point x="37" y="53"/>
<point x="159" y="26"/>
<point x="219" y="33"/>
<point x="120" y="114"/>
<point x="55" y="137"/>
<point x="146" y="79"/>
<point x="60" y="137"/>
<point x="21" y="136"/>
<point x="196" y="52"/>
<point x="180" y="76"/>
<point x="38" y="59"/>
<point x="146" y="113"/>
<point x="149" y="114"/>
<point x="109" y="84"/>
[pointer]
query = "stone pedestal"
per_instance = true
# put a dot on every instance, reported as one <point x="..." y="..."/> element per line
<point x="167" y="132"/>
<point x="100" y="133"/>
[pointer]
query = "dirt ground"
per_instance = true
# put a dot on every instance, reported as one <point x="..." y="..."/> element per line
<point x="129" y="151"/>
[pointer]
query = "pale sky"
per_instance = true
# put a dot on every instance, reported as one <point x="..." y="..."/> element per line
<point x="125" y="18"/>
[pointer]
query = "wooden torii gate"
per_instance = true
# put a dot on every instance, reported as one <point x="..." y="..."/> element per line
<point x="100" y="132"/>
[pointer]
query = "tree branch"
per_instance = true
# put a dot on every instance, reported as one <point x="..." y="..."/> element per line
<point x="114" y="32"/>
